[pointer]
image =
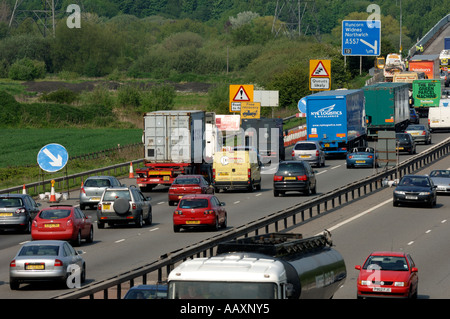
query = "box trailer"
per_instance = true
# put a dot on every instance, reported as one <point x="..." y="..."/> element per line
<point x="426" y="94"/>
<point x="429" y="64"/>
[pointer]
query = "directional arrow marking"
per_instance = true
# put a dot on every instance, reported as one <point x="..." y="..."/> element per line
<point x="374" y="46"/>
<point x="57" y="161"/>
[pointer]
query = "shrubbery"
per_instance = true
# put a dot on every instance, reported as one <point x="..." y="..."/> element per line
<point x="26" y="70"/>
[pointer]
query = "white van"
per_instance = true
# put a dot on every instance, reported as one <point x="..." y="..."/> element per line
<point x="439" y="117"/>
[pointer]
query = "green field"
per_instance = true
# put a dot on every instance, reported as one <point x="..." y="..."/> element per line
<point x="20" y="147"/>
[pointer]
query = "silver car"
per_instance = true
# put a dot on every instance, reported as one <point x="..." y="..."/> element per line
<point x="309" y="151"/>
<point x="441" y="178"/>
<point x="47" y="260"/>
<point x="124" y="205"/>
<point x="17" y="211"/>
<point x="420" y="133"/>
<point x="93" y="188"/>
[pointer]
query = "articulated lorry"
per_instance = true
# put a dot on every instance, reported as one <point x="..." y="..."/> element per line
<point x="336" y="119"/>
<point x="271" y="266"/>
<point x="429" y="64"/>
<point x="174" y="144"/>
<point x="394" y="64"/>
<point x="387" y="107"/>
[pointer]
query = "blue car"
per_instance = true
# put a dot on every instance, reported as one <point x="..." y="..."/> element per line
<point x="361" y="157"/>
<point x="147" y="292"/>
<point x="413" y="116"/>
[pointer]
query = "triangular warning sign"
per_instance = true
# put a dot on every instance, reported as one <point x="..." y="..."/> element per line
<point x="320" y="70"/>
<point x="241" y="95"/>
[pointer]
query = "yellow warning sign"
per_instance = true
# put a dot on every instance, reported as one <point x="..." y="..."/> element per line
<point x="319" y="75"/>
<point x="238" y="94"/>
<point x="250" y="110"/>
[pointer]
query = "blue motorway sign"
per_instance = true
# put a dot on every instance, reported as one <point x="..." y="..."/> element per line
<point x="361" y="37"/>
<point x="52" y="157"/>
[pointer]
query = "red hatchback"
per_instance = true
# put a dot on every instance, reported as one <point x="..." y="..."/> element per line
<point x="62" y="222"/>
<point x="188" y="184"/>
<point x="387" y="274"/>
<point x="199" y="210"/>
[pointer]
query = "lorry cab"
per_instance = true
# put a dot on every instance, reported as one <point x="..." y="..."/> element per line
<point x="236" y="170"/>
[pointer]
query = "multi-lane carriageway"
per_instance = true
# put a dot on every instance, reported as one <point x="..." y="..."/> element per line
<point x="368" y="224"/>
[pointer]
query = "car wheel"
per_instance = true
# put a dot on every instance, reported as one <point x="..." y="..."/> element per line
<point x="176" y="228"/>
<point x="394" y="203"/>
<point x="90" y="239"/>
<point x="216" y="225"/>
<point x="100" y="225"/>
<point x="224" y="224"/>
<point x="149" y="219"/>
<point x="82" y="206"/>
<point x="77" y="241"/>
<point x="121" y="206"/>
<point x="83" y="274"/>
<point x="13" y="285"/>
<point x="276" y="193"/>
<point x="139" y="222"/>
<point x="27" y="229"/>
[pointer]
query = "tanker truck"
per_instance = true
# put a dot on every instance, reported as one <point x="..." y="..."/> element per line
<point x="270" y="266"/>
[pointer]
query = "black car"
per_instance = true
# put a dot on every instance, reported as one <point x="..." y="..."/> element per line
<point x="17" y="211"/>
<point x="294" y="176"/>
<point x="415" y="189"/>
<point x="405" y="143"/>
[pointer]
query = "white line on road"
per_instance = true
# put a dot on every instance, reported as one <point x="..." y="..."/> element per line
<point x="119" y="241"/>
<point x="153" y="229"/>
<point x="336" y="167"/>
<point x="321" y="172"/>
<point x="237" y="202"/>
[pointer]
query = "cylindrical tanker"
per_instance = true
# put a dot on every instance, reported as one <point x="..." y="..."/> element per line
<point x="272" y="266"/>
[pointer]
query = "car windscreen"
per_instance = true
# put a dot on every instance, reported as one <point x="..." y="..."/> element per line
<point x="193" y="203"/>
<point x="114" y="194"/>
<point x="402" y="137"/>
<point x="10" y="202"/>
<point x="392" y="263"/>
<point x="97" y="183"/>
<point x="39" y="250"/>
<point x="294" y="168"/>
<point x="305" y="147"/>
<point x="414" y="181"/>
<point x="440" y="173"/>
<point x="54" y="214"/>
<point x="186" y="181"/>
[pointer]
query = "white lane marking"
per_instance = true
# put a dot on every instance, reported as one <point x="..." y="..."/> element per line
<point x="321" y="172"/>
<point x="160" y="203"/>
<point x="259" y="194"/>
<point x="359" y="215"/>
<point x="153" y="229"/>
<point x="24" y="242"/>
<point x="119" y="241"/>
<point x="237" y="202"/>
<point x="428" y="231"/>
<point x="334" y="167"/>
<point x="410" y="243"/>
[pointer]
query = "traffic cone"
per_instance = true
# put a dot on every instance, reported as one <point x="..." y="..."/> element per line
<point x="52" y="193"/>
<point x="24" y="190"/>
<point x="131" y="171"/>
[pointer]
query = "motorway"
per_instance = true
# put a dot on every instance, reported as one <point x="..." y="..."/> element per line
<point x="421" y="231"/>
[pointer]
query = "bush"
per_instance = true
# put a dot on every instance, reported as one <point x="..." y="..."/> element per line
<point x="160" y="97"/>
<point x="10" y="109"/>
<point x="26" y="70"/>
<point x="62" y="95"/>
<point x="129" y="96"/>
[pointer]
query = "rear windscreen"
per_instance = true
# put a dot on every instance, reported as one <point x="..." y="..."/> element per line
<point x="193" y="203"/>
<point x="305" y="147"/>
<point x="186" y="181"/>
<point x="39" y="250"/>
<point x="295" y="168"/>
<point x="10" y="202"/>
<point x="97" y="183"/>
<point x="54" y="214"/>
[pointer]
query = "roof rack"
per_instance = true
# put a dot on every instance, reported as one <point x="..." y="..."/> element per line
<point x="276" y="244"/>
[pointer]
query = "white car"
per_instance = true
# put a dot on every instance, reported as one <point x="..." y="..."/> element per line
<point x="309" y="151"/>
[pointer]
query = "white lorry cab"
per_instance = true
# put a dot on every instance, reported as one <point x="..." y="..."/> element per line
<point x="271" y="266"/>
<point x="439" y="117"/>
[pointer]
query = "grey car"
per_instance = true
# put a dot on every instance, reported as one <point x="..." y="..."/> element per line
<point x="419" y="132"/>
<point x="17" y="211"/>
<point x="309" y="151"/>
<point x="47" y="260"/>
<point x="124" y="205"/>
<point x="93" y="188"/>
<point x="441" y="178"/>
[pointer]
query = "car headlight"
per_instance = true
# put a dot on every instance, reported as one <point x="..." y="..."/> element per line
<point x="399" y="284"/>
<point x="365" y="282"/>
<point x="399" y="192"/>
<point x="424" y="193"/>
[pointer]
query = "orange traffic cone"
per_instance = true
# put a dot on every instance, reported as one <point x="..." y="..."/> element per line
<point x="52" y="193"/>
<point x="24" y="190"/>
<point x="131" y="171"/>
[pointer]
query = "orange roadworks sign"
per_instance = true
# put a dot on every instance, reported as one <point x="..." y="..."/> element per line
<point x="239" y="94"/>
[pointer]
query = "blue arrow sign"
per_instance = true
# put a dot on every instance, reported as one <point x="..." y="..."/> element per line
<point x="361" y="37"/>
<point x="52" y="157"/>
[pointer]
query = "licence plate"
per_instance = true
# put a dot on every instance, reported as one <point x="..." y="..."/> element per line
<point x="290" y="178"/>
<point x="179" y="197"/>
<point x="414" y="133"/>
<point x="166" y="178"/>
<point x="410" y="197"/>
<point x="223" y="174"/>
<point x="305" y="156"/>
<point x="95" y="198"/>
<point x="6" y="214"/>
<point x="400" y="148"/>
<point x="327" y="145"/>
<point x="51" y="225"/>
<point x="360" y="161"/>
<point x="381" y="289"/>
<point x="435" y="121"/>
<point x="106" y="206"/>
<point x="192" y="222"/>
<point x="35" y="267"/>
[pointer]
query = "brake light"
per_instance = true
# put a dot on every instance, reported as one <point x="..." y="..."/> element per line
<point x="350" y="156"/>
<point x="249" y="173"/>
<point x="58" y="263"/>
<point x="277" y="178"/>
<point x="214" y="173"/>
<point x="423" y="132"/>
<point x="370" y="156"/>
<point x="302" y="178"/>
<point x="293" y="153"/>
<point x="178" y="212"/>
<point x="99" y="206"/>
<point x="20" y="210"/>
<point x="317" y="153"/>
<point x="133" y="206"/>
<point x="69" y="222"/>
<point x="12" y="263"/>
<point x="35" y="223"/>
<point x="208" y="212"/>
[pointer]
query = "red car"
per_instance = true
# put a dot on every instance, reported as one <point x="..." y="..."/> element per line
<point x="188" y="184"/>
<point x="387" y="274"/>
<point x="62" y="222"/>
<point x="199" y="210"/>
